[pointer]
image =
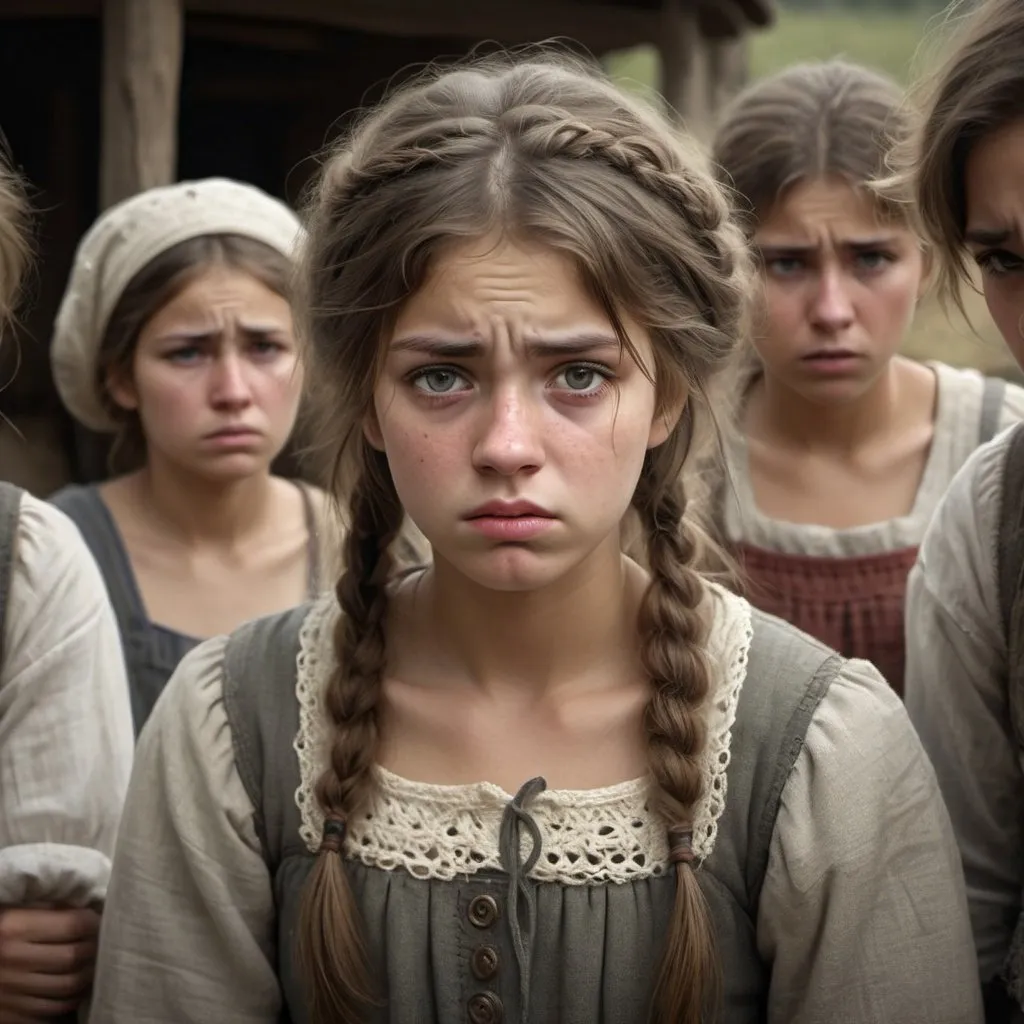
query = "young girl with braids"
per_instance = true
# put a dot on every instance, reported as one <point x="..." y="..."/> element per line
<point x="965" y="650"/>
<point x="532" y="781"/>
<point x="844" y="447"/>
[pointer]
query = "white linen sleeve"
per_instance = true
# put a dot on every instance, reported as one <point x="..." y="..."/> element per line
<point x="956" y="693"/>
<point x="66" y="734"/>
<point x="188" y="932"/>
<point x="863" y="916"/>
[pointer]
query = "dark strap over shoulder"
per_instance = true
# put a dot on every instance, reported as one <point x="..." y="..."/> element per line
<point x="86" y="509"/>
<point x="789" y="750"/>
<point x="260" y="672"/>
<point x="1010" y="565"/>
<point x="991" y="408"/>
<point x="10" y="505"/>
<point x="1010" y="545"/>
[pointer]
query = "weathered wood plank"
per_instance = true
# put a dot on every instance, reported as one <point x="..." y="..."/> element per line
<point x="604" y="21"/>
<point x="142" y="49"/>
<point x="683" y="66"/>
<point x="601" y="26"/>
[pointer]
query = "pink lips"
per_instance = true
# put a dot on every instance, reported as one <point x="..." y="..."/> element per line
<point x="232" y="437"/>
<point x="510" y="520"/>
<point x="831" y="360"/>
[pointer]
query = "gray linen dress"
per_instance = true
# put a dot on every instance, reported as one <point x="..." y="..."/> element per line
<point x="828" y="861"/>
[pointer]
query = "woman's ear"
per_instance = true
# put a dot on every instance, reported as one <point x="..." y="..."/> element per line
<point x="927" y="271"/>
<point x="372" y="431"/>
<point x="666" y="419"/>
<point x="121" y="388"/>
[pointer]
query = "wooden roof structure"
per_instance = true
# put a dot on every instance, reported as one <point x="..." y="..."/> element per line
<point x="100" y="99"/>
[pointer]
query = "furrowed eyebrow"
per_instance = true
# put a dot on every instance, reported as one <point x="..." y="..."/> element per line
<point x="989" y="236"/>
<point x="192" y="337"/>
<point x="428" y="346"/>
<point x="871" y="244"/>
<point x="196" y="337"/>
<point x="574" y="346"/>
<point x="543" y="347"/>
<point x="769" y="252"/>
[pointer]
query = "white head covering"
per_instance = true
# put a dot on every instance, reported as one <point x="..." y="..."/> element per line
<point x="122" y="242"/>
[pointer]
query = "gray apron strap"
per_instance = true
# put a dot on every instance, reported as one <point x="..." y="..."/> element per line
<point x="260" y="670"/>
<point x="789" y="750"/>
<point x="1010" y="566"/>
<point x="10" y="506"/>
<point x="88" y="511"/>
<point x="313" y="583"/>
<point x="991" y="408"/>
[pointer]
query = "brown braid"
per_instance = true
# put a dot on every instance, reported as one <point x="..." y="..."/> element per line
<point x="330" y="931"/>
<point x="674" y="635"/>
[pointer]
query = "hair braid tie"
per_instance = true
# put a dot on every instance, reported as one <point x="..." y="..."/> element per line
<point x="680" y="844"/>
<point x="334" y="834"/>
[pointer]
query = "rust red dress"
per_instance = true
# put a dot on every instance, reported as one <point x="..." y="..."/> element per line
<point x="847" y="587"/>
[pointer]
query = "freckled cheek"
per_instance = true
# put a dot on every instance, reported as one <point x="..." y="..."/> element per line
<point x="429" y="470"/>
<point x="279" y="387"/>
<point x="600" y="463"/>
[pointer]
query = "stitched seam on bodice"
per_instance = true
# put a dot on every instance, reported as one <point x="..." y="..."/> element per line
<point x="443" y="832"/>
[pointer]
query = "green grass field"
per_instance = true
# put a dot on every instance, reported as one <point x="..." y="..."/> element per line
<point x="888" y="42"/>
<point x="904" y="46"/>
<point x="899" y="44"/>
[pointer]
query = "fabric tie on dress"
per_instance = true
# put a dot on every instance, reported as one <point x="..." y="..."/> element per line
<point x="521" y="900"/>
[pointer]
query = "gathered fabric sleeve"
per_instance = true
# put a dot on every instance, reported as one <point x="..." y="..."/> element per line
<point x="863" y="916"/>
<point x="188" y="933"/>
<point x="957" y="697"/>
<point x="66" y="734"/>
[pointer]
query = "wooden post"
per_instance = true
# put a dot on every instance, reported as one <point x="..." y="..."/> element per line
<point x="683" y="71"/>
<point x="728" y="68"/>
<point x="142" y="47"/>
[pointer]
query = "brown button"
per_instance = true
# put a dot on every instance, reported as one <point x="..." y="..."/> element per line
<point x="484" y="963"/>
<point x="483" y="911"/>
<point x="485" y="1008"/>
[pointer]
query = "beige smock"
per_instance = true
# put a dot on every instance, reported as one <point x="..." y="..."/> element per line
<point x="957" y="696"/>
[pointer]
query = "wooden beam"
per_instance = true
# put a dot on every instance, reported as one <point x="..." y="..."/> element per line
<point x="601" y="26"/>
<point x="683" y="65"/>
<point x="50" y="8"/>
<point x="289" y="37"/>
<point x="729" y="69"/>
<point x="142" y="48"/>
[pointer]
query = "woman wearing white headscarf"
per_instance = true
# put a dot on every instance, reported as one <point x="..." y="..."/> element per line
<point x="175" y="336"/>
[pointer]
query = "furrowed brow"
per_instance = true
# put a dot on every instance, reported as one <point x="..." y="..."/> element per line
<point x="540" y="347"/>
<point x="430" y="346"/>
<point x="988" y="236"/>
